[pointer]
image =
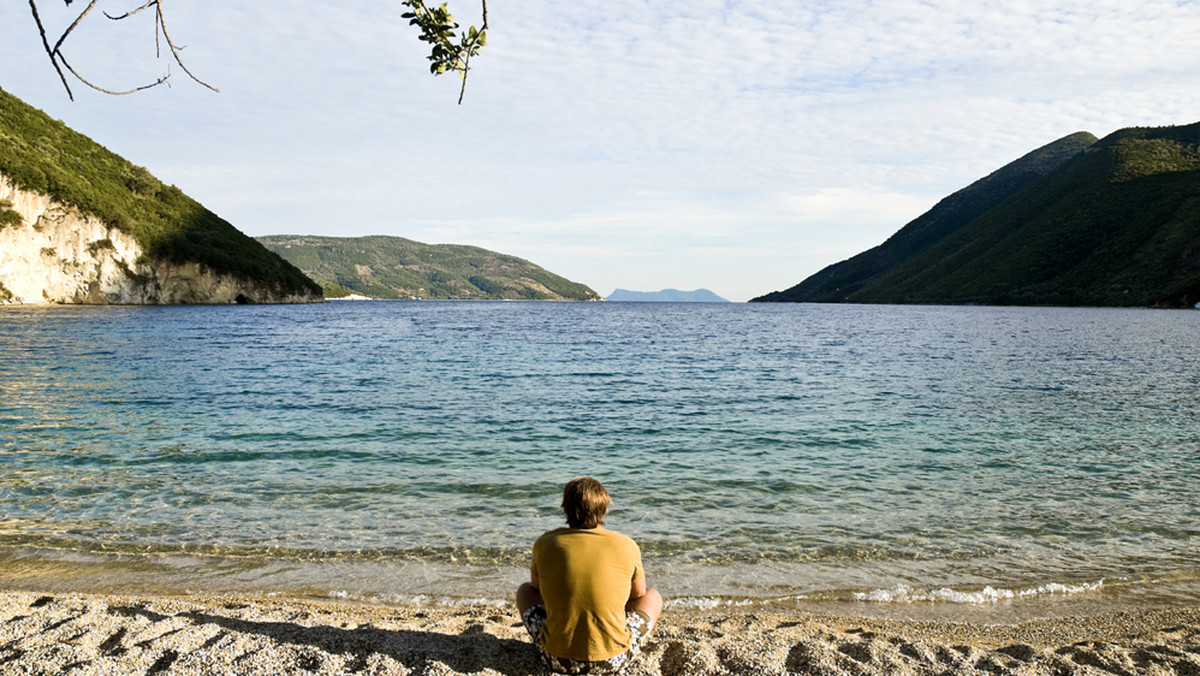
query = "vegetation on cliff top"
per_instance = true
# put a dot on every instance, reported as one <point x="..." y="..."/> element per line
<point x="7" y="215"/>
<point x="1115" y="222"/>
<point x="43" y="155"/>
<point x="398" y="268"/>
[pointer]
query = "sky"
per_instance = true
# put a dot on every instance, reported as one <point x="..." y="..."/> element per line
<point x="733" y="146"/>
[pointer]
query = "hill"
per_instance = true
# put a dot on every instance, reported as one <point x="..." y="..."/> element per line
<point x="1110" y="222"/>
<point x="72" y="210"/>
<point x="666" y="296"/>
<point x="398" y="268"/>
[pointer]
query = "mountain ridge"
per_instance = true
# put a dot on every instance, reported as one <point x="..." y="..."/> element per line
<point x="1112" y="223"/>
<point x="388" y="267"/>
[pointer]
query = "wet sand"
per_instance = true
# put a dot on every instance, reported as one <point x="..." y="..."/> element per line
<point x="86" y="634"/>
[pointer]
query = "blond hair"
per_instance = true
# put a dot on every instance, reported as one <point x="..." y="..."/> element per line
<point x="585" y="502"/>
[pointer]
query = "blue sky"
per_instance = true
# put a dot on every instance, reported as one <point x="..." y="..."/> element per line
<point x="735" y="146"/>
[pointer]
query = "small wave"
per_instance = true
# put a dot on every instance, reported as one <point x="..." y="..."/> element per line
<point x="906" y="594"/>
<point x="421" y="600"/>
<point x="712" y="602"/>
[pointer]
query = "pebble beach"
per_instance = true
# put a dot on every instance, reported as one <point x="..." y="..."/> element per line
<point x="94" y="634"/>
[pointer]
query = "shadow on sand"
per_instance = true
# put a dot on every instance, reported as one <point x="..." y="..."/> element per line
<point x="471" y="651"/>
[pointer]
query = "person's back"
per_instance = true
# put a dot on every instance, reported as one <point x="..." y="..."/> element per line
<point x="587" y="606"/>
<point x="585" y="579"/>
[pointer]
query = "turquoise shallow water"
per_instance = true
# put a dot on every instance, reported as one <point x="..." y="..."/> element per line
<point x="859" y="454"/>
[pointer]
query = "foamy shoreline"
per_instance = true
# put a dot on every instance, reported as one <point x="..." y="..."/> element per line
<point x="101" y="634"/>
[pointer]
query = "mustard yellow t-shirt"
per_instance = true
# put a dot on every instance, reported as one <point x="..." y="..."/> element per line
<point x="585" y="577"/>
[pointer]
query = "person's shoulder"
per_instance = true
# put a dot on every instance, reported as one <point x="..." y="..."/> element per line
<point x="620" y="537"/>
<point x="552" y="534"/>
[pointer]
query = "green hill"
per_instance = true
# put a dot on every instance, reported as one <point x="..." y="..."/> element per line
<point x="397" y="268"/>
<point x="41" y="154"/>
<point x="1111" y="222"/>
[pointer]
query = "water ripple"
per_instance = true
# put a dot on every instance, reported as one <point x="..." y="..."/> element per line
<point x="869" y="444"/>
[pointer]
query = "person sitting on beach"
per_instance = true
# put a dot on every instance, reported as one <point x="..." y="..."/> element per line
<point x="586" y="606"/>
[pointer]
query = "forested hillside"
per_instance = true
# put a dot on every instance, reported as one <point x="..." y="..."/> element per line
<point x="1113" y="222"/>
<point x="398" y="268"/>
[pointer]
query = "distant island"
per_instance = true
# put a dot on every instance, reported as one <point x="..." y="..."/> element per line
<point x="82" y="225"/>
<point x="395" y="268"/>
<point x="1081" y="221"/>
<point x="665" y="296"/>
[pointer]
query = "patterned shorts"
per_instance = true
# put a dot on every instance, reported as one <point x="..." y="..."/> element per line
<point x="639" y="626"/>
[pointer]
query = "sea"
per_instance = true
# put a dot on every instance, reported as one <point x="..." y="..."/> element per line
<point x="978" y="463"/>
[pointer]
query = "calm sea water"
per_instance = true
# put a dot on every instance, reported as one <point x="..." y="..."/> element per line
<point x="866" y="455"/>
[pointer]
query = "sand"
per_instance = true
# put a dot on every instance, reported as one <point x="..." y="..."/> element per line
<point x="86" y="634"/>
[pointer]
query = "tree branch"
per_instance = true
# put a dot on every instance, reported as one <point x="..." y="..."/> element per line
<point x="59" y="60"/>
<point x="448" y="52"/>
<point x="438" y="27"/>
<point x="74" y="23"/>
<point x="474" y="49"/>
<point x="161" y="80"/>
<point x="130" y="13"/>
<point x="50" y="52"/>
<point x="162" y="26"/>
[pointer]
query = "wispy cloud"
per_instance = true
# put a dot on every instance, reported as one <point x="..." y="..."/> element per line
<point x="625" y="140"/>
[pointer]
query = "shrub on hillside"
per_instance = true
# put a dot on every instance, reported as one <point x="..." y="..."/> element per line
<point x="8" y="216"/>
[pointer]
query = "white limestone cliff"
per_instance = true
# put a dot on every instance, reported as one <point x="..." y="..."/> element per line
<point x="58" y="254"/>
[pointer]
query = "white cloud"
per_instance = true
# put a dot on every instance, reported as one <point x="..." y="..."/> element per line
<point x="623" y="140"/>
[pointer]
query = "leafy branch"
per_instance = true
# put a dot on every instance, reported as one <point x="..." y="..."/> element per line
<point x="59" y="60"/>
<point x="450" y="51"/>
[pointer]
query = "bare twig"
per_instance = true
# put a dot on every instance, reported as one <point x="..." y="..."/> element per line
<point x="50" y="52"/>
<point x="162" y="27"/>
<point x="126" y="15"/>
<point x="161" y="80"/>
<point x="74" y="23"/>
<point x="59" y="60"/>
<point x="131" y="12"/>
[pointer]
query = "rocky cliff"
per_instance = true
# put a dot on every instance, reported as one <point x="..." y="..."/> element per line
<point x="54" y="253"/>
<point x="81" y="224"/>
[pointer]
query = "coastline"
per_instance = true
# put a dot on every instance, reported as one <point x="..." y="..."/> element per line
<point x="202" y="634"/>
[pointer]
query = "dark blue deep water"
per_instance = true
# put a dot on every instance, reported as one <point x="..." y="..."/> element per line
<point x="759" y="453"/>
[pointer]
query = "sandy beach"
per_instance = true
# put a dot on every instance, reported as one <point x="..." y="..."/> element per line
<point x="91" y="634"/>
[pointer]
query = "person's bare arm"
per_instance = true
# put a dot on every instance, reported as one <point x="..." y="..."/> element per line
<point x="644" y="600"/>
<point x="637" y="589"/>
<point x="528" y="594"/>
